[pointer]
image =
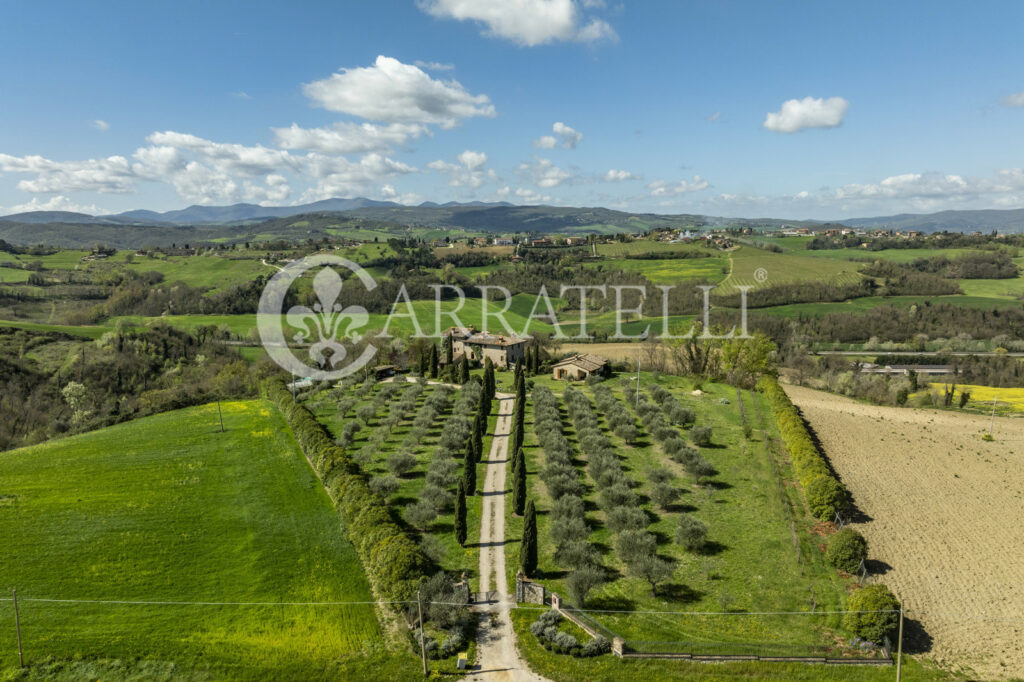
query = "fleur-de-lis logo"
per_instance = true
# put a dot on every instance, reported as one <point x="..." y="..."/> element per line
<point x="326" y="318"/>
<point x="324" y="326"/>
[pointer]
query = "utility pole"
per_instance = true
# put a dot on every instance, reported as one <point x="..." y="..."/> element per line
<point x="899" y="649"/>
<point x="423" y="647"/>
<point x="992" y="423"/>
<point x="17" y="626"/>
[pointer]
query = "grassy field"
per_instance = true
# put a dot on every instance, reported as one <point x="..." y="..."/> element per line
<point x="855" y="305"/>
<point x="668" y="270"/>
<point x="984" y="398"/>
<point x="168" y="509"/>
<point x="756" y="562"/>
<point x="894" y="255"/>
<point x="779" y="268"/>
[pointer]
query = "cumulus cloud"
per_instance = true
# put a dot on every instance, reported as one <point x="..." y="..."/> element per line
<point x="563" y="135"/>
<point x="543" y="173"/>
<point x="525" y="22"/>
<point x="468" y="172"/>
<point x="434" y="66"/>
<point x="112" y="175"/>
<point x="394" y="92"/>
<point x="663" y="188"/>
<point x="529" y="196"/>
<point x="348" y="137"/>
<point x="101" y="125"/>
<point x="57" y="203"/>
<point x="1014" y="100"/>
<point x="617" y="175"/>
<point x="809" y="112"/>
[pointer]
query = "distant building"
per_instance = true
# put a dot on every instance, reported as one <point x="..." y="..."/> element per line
<point x="579" y="367"/>
<point x="503" y="242"/>
<point x="574" y="241"/>
<point x="504" y="351"/>
<point x="543" y="241"/>
<point x="905" y="370"/>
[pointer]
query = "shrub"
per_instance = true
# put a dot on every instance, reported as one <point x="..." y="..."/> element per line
<point x="568" y="529"/>
<point x="872" y="613"/>
<point x="691" y="533"/>
<point x="659" y="475"/>
<point x="701" y="436"/>
<point x="846" y="549"/>
<point x="576" y="554"/>
<point x="825" y="496"/>
<point x="597" y="646"/>
<point x="421" y="514"/>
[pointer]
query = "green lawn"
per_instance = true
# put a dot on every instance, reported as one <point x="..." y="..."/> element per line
<point x="669" y="270"/>
<point x="783" y="268"/>
<point x="166" y="508"/>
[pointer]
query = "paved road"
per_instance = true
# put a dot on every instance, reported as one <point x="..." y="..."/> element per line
<point x="496" y="645"/>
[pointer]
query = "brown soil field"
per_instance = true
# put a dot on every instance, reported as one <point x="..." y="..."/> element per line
<point x="608" y="351"/>
<point x="943" y="511"/>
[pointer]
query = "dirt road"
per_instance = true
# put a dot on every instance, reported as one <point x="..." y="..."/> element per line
<point x="496" y="643"/>
<point x="943" y="513"/>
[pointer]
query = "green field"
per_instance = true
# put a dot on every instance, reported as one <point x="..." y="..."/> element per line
<point x="167" y="509"/>
<point x="783" y="268"/>
<point x="669" y="270"/>
<point x="894" y="255"/>
<point x="856" y="305"/>
<point x="618" y="249"/>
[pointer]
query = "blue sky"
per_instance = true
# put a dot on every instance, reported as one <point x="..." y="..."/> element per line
<point x="809" y="109"/>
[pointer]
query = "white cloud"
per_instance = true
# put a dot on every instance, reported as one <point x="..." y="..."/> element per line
<point x="529" y="196"/>
<point x="809" y="112"/>
<point x="101" y="125"/>
<point x="543" y="173"/>
<point x="468" y="172"/>
<point x="226" y="157"/>
<point x="663" y="188"/>
<point x="340" y="177"/>
<point x="525" y="22"/>
<point x="241" y="94"/>
<point x="618" y="175"/>
<point x="57" y="203"/>
<point x="563" y="134"/>
<point x="1014" y="100"/>
<point x="434" y="66"/>
<point x="394" y="92"/>
<point x="713" y="117"/>
<point x="348" y="137"/>
<point x="112" y="175"/>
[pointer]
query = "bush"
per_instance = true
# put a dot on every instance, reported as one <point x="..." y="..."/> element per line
<point x="880" y="613"/>
<point x="400" y="463"/>
<point x="664" y="494"/>
<point x="385" y="486"/>
<point x="701" y="436"/>
<point x="691" y="533"/>
<point x="826" y="496"/>
<point x="846" y="549"/>
<point x="632" y="545"/>
<point x="581" y="581"/>
<point x="626" y="518"/>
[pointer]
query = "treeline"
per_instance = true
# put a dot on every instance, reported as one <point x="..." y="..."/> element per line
<point x="903" y="280"/>
<point x="799" y="292"/>
<point x="394" y="564"/>
<point x="121" y="376"/>
<point x="937" y="240"/>
<point x="989" y="265"/>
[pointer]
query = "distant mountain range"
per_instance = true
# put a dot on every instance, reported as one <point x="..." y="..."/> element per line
<point x="242" y="222"/>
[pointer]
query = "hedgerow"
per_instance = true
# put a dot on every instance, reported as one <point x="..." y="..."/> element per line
<point x="825" y="494"/>
<point x="393" y="563"/>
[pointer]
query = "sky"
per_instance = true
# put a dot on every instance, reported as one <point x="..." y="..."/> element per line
<point x="818" y="110"/>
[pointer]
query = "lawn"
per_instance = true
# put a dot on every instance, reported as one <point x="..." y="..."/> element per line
<point x="168" y="509"/>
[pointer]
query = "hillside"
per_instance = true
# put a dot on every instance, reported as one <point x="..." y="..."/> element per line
<point x="952" y="221"/>
<point x="169" y="509"/>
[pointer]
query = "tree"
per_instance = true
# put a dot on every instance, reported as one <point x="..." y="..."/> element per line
<point x="653" y="569"/>
<point x="469" y="472"/>
<point x="519" y="487"/>
<point x="582" y="581"/>
<point x="691" y="534"/>
<point x="746" y="360"/>
<point x="463" y="370"/>
<point x="631" y="545"/>
<point x="433" y="361"/>
<point x="366" y="413"/>
<point x="478" y="437"/>
<point x="421" y="514"/>
<point x="490" y="385"/>
<point x="872" y="613"/>
<point x="449" y="351"/>
<point x="528" y="548"/>
<point x="460" y="514"/>
<point x="664" y="494"/>
<point x="400" y="463"/>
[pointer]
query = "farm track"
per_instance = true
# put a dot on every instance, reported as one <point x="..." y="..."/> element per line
<point x="496" y="641"/>
<point x="943" y="512"/>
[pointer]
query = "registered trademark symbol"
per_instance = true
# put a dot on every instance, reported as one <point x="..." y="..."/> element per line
<point x="761" y="275"/>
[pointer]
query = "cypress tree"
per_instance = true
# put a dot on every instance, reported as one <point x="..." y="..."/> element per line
<point x="460" y="515"/>
<point x="449" y="350"/>
<point x="463" y="371"/>
<point x="433" y="361"/>
<point x="478" y="436"/>
<point x="519" y="485"/>
<point x="469" y="472"/>
<point x="528" y="548"/>
<point x="424" y="362"/>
